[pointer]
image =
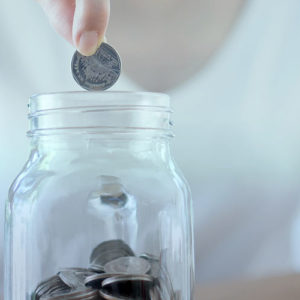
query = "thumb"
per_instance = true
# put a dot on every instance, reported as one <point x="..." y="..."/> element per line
<point x="89" y="24"/>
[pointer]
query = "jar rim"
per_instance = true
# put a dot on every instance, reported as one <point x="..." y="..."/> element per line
<point x="115" y="112"/>
<point x="79" y="99"/>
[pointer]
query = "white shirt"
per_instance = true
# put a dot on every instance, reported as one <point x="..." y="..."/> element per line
<point x="236" y="123"/>
<point x="238" y="143"/>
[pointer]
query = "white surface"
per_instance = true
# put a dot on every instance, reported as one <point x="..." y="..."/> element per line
<point x="237" y="131"/>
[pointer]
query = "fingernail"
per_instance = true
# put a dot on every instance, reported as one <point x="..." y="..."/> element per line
<point x="88" y="42"/>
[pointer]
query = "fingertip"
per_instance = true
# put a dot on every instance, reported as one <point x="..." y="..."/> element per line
<point x="89" y="25"/>
<point x="88" y="43"/>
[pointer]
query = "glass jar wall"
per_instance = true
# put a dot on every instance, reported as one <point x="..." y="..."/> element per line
<point x="100" y="210"/>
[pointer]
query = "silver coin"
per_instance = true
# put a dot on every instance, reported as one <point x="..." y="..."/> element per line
<point x="149" y="256"/>
<point x="74" y="269"/>
<point x="50" y="285"/>
<point x="110" y="254"/>
<point x="126" y="278"/>
<point x="154" y="262"/>
<point x="95" y="280"/>
<point x="128" y="286"/>
<point x="76" y="294"/>
<point x="99" y="263"/>
<point x="99" y="71"/>
<point x="110" y="246"/>
<point x="128" y="265"/>
<point x="116" y="201"/>
<point x="108" y="251"/>
<point x="107" y="296"/>
<point x="74" y="278"/>
<point x="97" y="268"/>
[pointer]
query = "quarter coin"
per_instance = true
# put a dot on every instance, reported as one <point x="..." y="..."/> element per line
<point x="99" y="71"/>
<point x="128" y="265"/>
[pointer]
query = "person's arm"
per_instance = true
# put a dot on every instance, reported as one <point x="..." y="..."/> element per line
<point x="81" y="22"/>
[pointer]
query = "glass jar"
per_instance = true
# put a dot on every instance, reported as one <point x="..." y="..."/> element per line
<point x="100" y="210"/>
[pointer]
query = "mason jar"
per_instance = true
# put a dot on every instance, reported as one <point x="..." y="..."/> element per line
<point x="100" y="209"/>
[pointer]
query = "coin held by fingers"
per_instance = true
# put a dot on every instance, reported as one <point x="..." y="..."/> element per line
<point x="99" y="71"/>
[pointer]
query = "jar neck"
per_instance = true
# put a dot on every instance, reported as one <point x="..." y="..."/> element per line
<point x="89" y="124"/>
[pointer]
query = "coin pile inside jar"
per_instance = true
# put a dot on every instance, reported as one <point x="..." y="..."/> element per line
<point x="114" y="273"/>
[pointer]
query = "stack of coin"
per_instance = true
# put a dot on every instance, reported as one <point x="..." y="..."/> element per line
<point x="77" y="294"/>
<point x="50" y="286"/>
<point x="114" y="273"/>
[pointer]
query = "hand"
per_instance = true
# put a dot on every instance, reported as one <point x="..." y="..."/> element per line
<point x="81" y="22"/>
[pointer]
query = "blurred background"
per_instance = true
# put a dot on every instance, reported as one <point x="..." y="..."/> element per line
<point x="232" y="68"/>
